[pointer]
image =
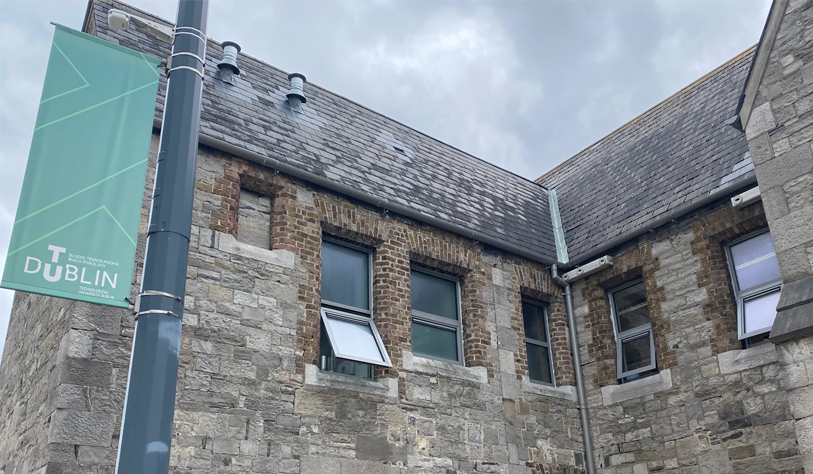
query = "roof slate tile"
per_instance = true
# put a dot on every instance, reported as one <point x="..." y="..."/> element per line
<point x="669" y="157"/>
<point x="338" y="139"/>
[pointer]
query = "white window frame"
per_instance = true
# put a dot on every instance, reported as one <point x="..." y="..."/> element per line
<point x="440" y="322"/>
<point x="629" y="335"/>
<point x="742" y="296"/>
<point x="537" y="342"/>
<point x="357" y="319"/>
<point x="352" y="313"/>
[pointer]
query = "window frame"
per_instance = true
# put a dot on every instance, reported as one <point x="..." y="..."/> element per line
<point x="630" y="334"/>
<point x="760" y="290"/>
<point x="357" y="319"/>
<point x="438" y="322"/>
<point x="536" y="342"/>
<point x="343" y="307"/>
<point x="351" y="313"/>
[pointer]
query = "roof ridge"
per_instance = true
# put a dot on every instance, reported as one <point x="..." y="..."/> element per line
<point x="312" y="84"/>
<point x="657" y="106"/>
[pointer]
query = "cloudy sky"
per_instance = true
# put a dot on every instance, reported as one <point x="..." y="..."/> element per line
<point x="522" y="84"/>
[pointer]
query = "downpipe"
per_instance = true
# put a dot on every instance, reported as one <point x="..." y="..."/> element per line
<point x="587" y="437"/>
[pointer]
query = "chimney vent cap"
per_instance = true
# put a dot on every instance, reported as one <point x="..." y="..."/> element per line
<point x="297" y="90"/>
<point x="230" y="50"/>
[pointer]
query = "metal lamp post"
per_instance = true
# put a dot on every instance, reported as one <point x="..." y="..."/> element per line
<point x="146" y="431"/>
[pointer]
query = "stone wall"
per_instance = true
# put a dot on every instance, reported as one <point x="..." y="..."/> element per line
<point x="780" y="135"/>
<point x="712" y="407"/>
<point x="63" y="377"/>
<point x="250" y="397"/>
<point x="29" y="359"/>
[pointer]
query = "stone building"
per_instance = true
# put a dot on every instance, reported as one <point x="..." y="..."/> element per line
<point x="362" y="298"/>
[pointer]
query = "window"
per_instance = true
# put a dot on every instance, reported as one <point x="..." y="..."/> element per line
<point x="349" y="342"/>
<point x="757" y="285"/>
<point x="436" y="328"/>
<point x="635" y="345"/>
<point x="537" y="342"/>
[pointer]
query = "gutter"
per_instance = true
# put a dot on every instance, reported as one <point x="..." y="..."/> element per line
<point x="587" y="436"/>
<point x="663" y="220"/>
<point x="364" y="197"/>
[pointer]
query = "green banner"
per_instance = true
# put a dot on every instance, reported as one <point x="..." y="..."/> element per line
<point x="77" y="222"/>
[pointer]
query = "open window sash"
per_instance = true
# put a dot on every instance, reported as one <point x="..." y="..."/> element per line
<point x="354" y="337"/>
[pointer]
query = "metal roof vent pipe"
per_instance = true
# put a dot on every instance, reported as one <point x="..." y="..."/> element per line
<point x="296" y="96"/>
<point x="228" y="66"/>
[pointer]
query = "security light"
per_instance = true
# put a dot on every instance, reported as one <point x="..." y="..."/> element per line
<point x="120" y="20"/>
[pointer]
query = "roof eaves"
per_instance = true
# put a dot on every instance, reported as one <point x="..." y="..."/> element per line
<point x="445" y="224"/>
<point x="677" y="212"/>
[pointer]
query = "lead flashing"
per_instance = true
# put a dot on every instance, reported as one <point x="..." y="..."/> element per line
<point x="558" y="229"/>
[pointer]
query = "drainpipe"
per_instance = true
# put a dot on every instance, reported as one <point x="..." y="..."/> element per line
<point x="587" y="437"/>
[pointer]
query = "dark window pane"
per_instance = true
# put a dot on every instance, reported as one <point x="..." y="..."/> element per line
<point x="760" y="311"/>
<point x="331" y="363"/>
<point x="637" y="353"/>
<point x="640" y="375"/>
<point x="349" y="367"/>
<point x="345" y="276"/>
<point x="434" y="342"/>
<point x="538" y="363"/>
<point x="755" y="261"/>
<point x="756" y="340"/>
<point x="533" y="317"/>
<point x="630" y="307"/>
<point x="434" y="295"/>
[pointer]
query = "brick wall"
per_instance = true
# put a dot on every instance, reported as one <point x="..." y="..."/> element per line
<point x="711" y="232"/>
<point x="713" y="407"/>
<point x="250" y="397"/>
<point x="636" y="262"/>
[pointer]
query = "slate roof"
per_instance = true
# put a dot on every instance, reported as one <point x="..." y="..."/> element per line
<point x="347" y="143"/>
<point x="669" y="157"/>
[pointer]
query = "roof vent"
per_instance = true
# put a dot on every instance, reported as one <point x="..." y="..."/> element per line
<point x="296" y="95"/>
<point x="228" y="66"/>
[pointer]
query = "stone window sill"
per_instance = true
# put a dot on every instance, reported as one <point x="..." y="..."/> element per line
<point x="227" y="243"/>
<point x="565" y="392"/>
<point x="659" y="382"/>
<point x="318" y="378"/>
<point x="423" y="365"/>
<point x="744" y="359"/>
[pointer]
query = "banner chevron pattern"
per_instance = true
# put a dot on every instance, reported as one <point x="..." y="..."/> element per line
<point x="77" y="222"/>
